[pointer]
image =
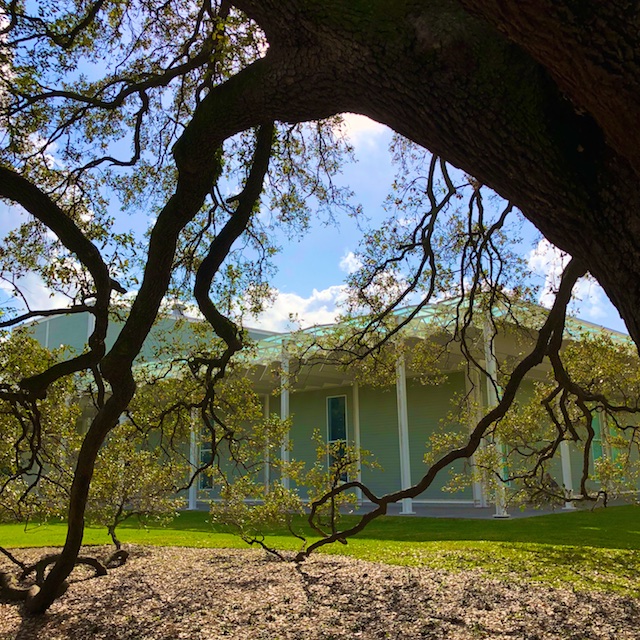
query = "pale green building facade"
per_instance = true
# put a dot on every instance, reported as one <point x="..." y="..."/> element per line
<point x="394" y="421"/>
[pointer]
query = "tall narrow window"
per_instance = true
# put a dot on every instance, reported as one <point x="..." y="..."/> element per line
<point x="597" y="442"/>
<point x="206" y="456"/>
<point x="337" y="428"/>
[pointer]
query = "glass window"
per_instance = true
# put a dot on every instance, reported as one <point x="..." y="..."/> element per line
<point x="337" y="428"/>
<point x="596" y="443"/>
<point x="205" y="458"/>
<point x="337" y="418"/>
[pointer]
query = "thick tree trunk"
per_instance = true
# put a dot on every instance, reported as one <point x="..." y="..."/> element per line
<point x="496" y="107"/>
<point x="591" y="51"/>
<point x="106" y="419"/>
<point x="116" y="367"/>
<point x="506" y="94"/>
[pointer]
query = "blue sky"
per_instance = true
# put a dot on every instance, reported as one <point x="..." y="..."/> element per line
<point x="310" y="279"/>
<point x="312" y="270"/>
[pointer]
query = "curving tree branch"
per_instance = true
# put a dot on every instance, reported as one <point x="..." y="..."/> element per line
<point x="548" y="333"/>
<point x="247" y="201"/>
<point x="20" y="190"/>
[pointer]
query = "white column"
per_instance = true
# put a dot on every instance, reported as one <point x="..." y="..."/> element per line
<point x="403" y="434"/>
<point x="491" y="364"/>
<point x="193" y="461"/>
<point x="267" y="470"/>
<point x="603" y="428"/>
<point x="567" y="480"/>
<point x="91" y="324"/>
<point x="474" y="393"/>
<point x="356" y="433"/>
<point x="284" y="414"/>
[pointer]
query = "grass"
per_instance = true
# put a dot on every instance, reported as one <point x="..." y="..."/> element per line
<point x="597" y="550"/>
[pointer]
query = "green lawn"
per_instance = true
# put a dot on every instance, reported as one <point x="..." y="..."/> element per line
<point x="584" y="549"/>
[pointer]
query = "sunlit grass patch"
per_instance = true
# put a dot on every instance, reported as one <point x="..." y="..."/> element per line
<point x="597" y="550"/>
<point x="579" y="567"/>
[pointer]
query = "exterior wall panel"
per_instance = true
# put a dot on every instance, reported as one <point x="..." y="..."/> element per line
<point x="428" y="410"/>
<point x="379" y="434"/>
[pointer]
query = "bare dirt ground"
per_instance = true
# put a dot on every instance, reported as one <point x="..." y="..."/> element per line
<point x="174" y="593"/>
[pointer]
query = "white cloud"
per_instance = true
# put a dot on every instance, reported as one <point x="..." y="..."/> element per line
<point x="350" y="263"/>
<point x="36" y="293"/>
<point x="11" y="217"/>
<point x="290" y="310"/>
<point x="589" y="299"/>
<point x="362" y="131"/>
<point x="41" y="145"/>
<point x="547" y="261"/>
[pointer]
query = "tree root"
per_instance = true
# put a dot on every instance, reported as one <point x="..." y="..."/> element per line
<point x="14" y="593"/>
<point x="41" y="566"/>
<point x="9" y="591"/>
<point x="117" y="559"/>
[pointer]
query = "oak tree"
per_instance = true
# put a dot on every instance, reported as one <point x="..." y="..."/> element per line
<point x="147" y="106"/>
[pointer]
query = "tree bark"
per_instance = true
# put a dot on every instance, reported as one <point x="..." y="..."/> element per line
<point x="193" y="185"/>
<point x="538" y="102"/>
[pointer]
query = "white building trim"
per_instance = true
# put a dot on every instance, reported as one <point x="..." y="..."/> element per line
<point x="474" y="394"/>
<point x="356" y="433"/>
<point x="267" y="461"/>
<point x="491" y="365"/>
<point x="284" y="414"/>
<point x="193" y="460"/>
<point x="567" y="480"/>
<point x="403" y="434"/>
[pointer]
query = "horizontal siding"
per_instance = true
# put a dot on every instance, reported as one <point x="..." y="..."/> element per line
<point x="309" y="412"/>
<point x="73" y="331"/>
<point x="428" y="406"/>
<point x="379" y="434"/>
